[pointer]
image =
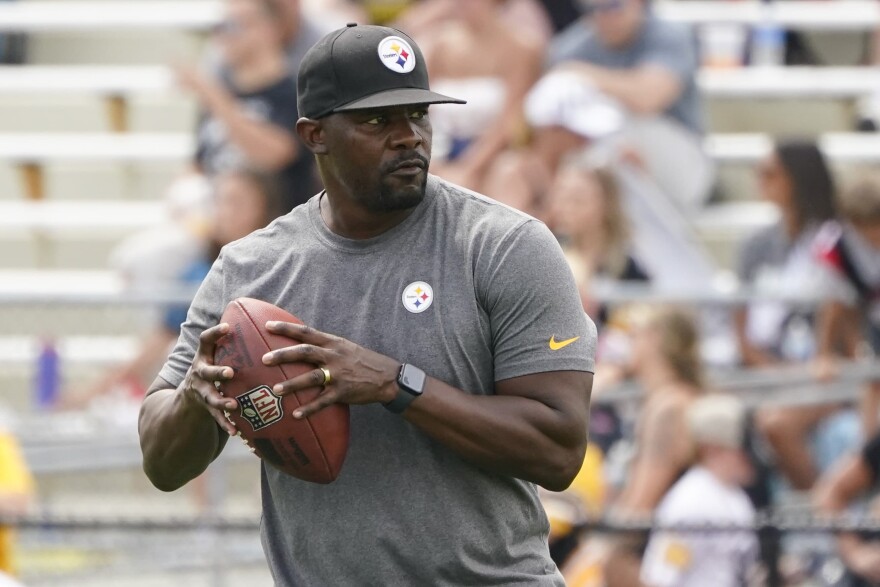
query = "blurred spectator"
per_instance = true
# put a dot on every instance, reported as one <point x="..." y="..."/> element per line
<point x="153" y="259"/>
<point x="587" y="213"/>
<point x="850" y="254"/>
<point x="250" y="112"/>
<point x="709" y="493"/>
<point x="796" y="179"/>
<point x="16" y="490"/>
<point x="468" y="138"/>
<point x="298" y="31"/>
<point x="780" y="260"/>
<point x="521" y="177"/>
<point x="617" y="51"/>
<point x="852" y="479"/>
<point x="666" y="363"/>
<point x="246" y="200"/>
<point x="420" y="19"/>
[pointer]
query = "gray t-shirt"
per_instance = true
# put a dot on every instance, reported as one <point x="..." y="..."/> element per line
<point x="768" y="247"/>
<point x="407" y="510"/>
<point x="671" y="46"/>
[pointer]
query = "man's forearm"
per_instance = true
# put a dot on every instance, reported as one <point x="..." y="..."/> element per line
<point x="510" y="435"/>
<point x="628" y="86"/>
<point x="178" y="439"/>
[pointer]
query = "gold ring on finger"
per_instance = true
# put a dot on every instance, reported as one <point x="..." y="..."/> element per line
<point x="327" y="378"/>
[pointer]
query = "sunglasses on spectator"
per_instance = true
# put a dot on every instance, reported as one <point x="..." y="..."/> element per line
<point x="605" y="7"/>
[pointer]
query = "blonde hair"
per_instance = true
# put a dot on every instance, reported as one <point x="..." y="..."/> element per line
<point x="679" y="342"/>
<point x="860" y="204"/>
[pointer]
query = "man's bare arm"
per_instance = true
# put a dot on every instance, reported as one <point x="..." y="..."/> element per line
<point x="183" y="430"/>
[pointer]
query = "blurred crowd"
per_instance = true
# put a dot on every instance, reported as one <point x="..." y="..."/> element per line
<point x="585" y="114"/>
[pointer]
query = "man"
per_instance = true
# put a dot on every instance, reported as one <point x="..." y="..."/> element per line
<point x="647" y="66"/>
<point x="710" y="493"/>
<point x="250" y="113"/>
<point x="624" y="50"/>
<point x="396" y="271"/>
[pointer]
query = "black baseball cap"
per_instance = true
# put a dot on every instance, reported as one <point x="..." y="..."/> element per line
<point x="359" y="67"/>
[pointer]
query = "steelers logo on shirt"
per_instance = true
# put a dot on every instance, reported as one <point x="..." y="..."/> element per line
<point x="397" y="55"/>
<point x="418" y="297"/>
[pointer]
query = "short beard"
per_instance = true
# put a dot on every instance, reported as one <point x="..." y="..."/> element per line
<point x="391" y="200"/>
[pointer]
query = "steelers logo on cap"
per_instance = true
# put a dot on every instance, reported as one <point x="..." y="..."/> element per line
<point x="397" y="55"/>
<point x="418" y="297"/>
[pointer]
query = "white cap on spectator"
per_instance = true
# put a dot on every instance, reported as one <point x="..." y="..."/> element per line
<point x="718" y="420"/>
<point x="566" y="99"/>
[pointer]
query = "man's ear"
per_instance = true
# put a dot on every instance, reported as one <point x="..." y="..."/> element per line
<point x="312" y="134"/>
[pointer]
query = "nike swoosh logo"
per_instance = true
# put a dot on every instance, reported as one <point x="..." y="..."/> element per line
<point x="555" y="346"/>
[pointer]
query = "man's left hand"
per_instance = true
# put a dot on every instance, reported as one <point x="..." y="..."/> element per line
<point x="357" y="375"/>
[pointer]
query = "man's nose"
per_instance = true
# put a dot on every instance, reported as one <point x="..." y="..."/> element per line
<point x="405" y="134"/>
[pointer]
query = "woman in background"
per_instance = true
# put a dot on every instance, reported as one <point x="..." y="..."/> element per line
<point x="666" y="363"/>
<point x="795" y="178"/>
<point x="586" y="212"/>
<point x="780" y="259"/>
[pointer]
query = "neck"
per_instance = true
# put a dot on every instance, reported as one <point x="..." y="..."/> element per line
<point x="260" y="72"/>
<point x="348" y="218"/>
<point x="790" y="223"/>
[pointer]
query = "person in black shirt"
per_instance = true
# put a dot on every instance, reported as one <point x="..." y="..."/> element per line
<point x="249" y="114"/>
<point x="856" y="475"/>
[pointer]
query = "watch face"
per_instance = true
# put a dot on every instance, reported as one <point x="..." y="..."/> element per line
<point x="413" y="379"/>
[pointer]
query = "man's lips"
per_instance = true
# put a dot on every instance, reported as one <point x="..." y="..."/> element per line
<point x="409" y="167"/>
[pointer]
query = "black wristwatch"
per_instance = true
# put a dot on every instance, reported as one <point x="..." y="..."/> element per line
<point x="411" y="384"/>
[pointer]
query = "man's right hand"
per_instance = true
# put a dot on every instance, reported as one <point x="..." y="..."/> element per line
<point x="199" y="386"/>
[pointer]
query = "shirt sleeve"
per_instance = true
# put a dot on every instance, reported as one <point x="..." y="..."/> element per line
<point x="675" y="50"/>
<point x="537" y="321"/>
<point x="204" y="312"/>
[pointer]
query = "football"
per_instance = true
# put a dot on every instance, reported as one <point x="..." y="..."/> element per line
<point x="312" y="449"/>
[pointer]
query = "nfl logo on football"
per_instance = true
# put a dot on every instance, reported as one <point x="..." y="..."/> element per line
<point x="260" y="407"/>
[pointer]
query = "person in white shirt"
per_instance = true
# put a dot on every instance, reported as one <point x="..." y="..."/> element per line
<point x="709" y="493"/>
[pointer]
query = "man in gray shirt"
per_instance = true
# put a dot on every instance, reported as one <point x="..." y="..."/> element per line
<point x="396" y="273"/>
<point x="648" y="68"/>
<point x="648" y="64"/>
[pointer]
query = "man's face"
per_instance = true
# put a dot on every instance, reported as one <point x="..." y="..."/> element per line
<point x="615" y="21"/>
<point x="380" y="155"/>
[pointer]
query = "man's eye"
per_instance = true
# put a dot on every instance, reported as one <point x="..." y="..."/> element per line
<point x="419" y="114"/>
<point x="376" y="120"/>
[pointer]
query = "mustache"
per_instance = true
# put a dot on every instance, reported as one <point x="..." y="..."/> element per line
<point x="411" y="158"/>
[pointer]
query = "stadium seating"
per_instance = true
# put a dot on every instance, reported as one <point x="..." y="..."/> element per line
<point x="201" y="14"/>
